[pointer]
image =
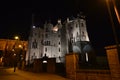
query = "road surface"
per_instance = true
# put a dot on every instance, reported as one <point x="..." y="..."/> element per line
<point x="9" y="74"/>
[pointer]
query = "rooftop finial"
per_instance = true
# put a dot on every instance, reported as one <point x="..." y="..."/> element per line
<point x="59" y="21"/>
<point x="33" y="26"/>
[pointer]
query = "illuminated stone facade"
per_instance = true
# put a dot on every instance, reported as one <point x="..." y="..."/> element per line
<point x="56" y="41"/>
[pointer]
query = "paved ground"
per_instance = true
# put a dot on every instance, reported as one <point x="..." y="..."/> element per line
<point x="9" y="74"/>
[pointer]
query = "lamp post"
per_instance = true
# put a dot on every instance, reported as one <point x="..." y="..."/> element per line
<point x="113" y="25"/>
<point x="116" y="11"/>
<point x="15" y="61"/>
<point x="18" y="50"/>
<point x="16" y="37"/>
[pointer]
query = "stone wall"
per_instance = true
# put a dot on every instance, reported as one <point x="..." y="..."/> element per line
<point x="75" y="73"/>
<point x="37" y="66"/>
<point x="71" y="65"/>
<point x="93" y="75"/>
<point x="51" y="65"/>
<point x="113" y="60"/>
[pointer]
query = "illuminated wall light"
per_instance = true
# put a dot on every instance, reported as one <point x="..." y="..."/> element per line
<point x="13" y="50"/>
<point x="1" y="59"/>
<point x="86" y="55"/>
<point x="55" y="29"/>
<point x="20" y="46"/>
<point x="16" y="37"/>
<point x="44" y="61"/>
<point x="14" y="54"/>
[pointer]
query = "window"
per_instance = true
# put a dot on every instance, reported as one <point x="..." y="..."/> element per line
<point x="59" y="43"/>
<point x="77" y="34"/>
<point x="39" y="35"/>
<point x="47" y="43"/>
<point x="71" y="27"/>
<point x="83" y="36"/>
<point x="34" y="44"/>
<point x="74" y="39"/>
<point x="72" y="35"/>
<point x="46" y="29"/>
<point x="45" y="49"/>
<point x="59" y="35"/>
<point x="59" y="49"/>
<point x="76" y="25"/>
<point x="42" y="35"/>
<point x="35" y="34"/>
<point x="46" y="35"/>
<point x="82" y="24"/>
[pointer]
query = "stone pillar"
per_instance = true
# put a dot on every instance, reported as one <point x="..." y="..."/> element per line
<point x="37" y="66"/>
<point x="114" y="63"/>
<point x="51" y="65"/>
<point x="71" y="65"/>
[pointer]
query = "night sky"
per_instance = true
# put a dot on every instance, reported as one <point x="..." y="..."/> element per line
<point x="16" y="18"/>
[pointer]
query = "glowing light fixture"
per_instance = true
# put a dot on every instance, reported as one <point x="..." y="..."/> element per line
<point x="20" y="46"/>
<point x="44" y="61"/>
<point x="14" y="54"/>
<point x="16" y="37"/>
<point x="55" y="29"/>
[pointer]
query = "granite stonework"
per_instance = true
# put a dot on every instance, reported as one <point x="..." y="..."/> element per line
<point x="113" y="73"/>
<point x="48" y="66"/>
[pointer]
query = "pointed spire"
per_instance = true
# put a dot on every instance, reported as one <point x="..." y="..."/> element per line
<point x="59" y="21"/>
<point x="32" y="19"/>
<point x="33" y="26"/>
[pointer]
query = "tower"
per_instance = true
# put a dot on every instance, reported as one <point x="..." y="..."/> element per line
<point x="77" y="38"/>
<point x="52" y="40"/>
<point x="35" y="47"/>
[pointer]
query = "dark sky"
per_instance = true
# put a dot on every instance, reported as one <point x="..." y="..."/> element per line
<point x="16" y="17"/>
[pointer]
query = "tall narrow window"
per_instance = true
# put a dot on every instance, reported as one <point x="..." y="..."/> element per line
<point x="77" y="34"/>
<point x="58" y="35"/>
<point x="35" y="34"/>
<point x="46" y="35"/>
<point x="47" y="30"/>
<point x="45" y="49"/>
<point x="82" y="24"/>
<point x="49" y="43"/>
<point x="59" y="42"/>
<point x="83" y="36"/>
<point x="59" y="49"/>
<point x="76" y="25"/>
<point x="42" y="36"/>
<point x="34" y="44"/>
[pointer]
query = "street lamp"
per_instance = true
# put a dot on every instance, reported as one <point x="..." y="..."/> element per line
<point x="18" y="50"/>
<point x="112" y="23"/>
<point x="116" y="11"/>
<point x="16" y="37"/>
